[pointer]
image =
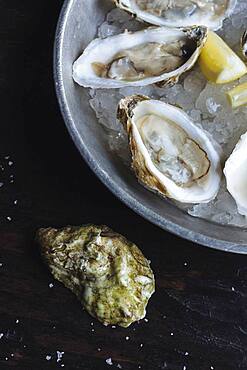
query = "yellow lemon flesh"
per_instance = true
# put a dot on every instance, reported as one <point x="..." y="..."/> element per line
<point x="219" y="63"/>
<point x="238" y="95"/>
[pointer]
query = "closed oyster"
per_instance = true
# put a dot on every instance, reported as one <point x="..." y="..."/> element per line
<point x="180" y="13"/>
<point x="141" y="58"/>
<point x="236" y="175"/>
<point x="170" y="154"/>
<point x="107" y="273"/>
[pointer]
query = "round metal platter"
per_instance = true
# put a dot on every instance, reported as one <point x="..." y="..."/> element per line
<point x="77" y="26"/>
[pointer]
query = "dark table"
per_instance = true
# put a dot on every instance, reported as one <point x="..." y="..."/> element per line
<point x="197" y="320"/>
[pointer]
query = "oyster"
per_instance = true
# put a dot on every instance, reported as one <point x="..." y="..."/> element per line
<point x="108" y="274"/>
<point x="236" y="175"/>
<point x="180" y="13"/>
<point x="141" y="58"/>
<point x="170" y="155"/>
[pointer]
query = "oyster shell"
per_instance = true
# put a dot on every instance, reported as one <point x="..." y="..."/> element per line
<point x="236" y="175"/>
<point x="107" y="273"/>
<point x="180" y="13"/>
<point x="170" y="155"/>
<point x="141" y="58"/>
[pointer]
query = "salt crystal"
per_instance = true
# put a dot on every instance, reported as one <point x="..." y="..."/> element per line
<point x="10" y="163"/>
<point x="1" y="335"/>
<point x="109" y="361"/>
<point x="48" y="357"/>
<point x="127" y="338"/>
<point x="51" y="285"/>
<point x="59" y="356"/>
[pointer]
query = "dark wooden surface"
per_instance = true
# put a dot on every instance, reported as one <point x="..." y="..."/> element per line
<point x="197" y="320"/>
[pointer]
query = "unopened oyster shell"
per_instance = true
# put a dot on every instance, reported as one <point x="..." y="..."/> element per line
<point x="170" y="154"/>
<point x="107" y="273"/>
<point x="180" y="13"/>
<point x="153" y="55"/>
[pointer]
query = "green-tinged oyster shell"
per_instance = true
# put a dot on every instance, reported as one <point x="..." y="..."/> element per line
<point x="108" y="274"/>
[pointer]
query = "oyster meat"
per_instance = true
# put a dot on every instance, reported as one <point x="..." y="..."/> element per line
<point x="170" y="154"/>
<point x="142" y="58"/>
<point x="180" y="13"/>
<point x="108" y="274"/>
<point x="236" y="175"/>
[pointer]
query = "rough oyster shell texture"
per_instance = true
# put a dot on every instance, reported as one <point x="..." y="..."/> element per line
<point x="108" y="274"/>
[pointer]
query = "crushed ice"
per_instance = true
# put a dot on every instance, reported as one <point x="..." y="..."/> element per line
<point x="205" y="103"/>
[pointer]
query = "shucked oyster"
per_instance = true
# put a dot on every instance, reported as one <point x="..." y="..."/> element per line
<point x="140" y="58"/>
<point x="170" y="155"/>
<point x="180" y="13"/>
<point x="108" y="274"/>
<point x="236" y="175"/>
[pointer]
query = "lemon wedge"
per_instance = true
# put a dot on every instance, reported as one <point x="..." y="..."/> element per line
<point x="219" y="63"/>
<point x="238" y="95"/>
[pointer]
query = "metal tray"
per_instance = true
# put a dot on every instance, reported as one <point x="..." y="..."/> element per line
<point x="77" y="26"/>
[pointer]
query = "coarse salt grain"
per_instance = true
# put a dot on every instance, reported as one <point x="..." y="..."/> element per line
<point x="59" y="356"/>
<point x="109" y="361"/>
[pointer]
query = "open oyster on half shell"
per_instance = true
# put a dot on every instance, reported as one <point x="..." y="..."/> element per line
<point x="180" y="13"/>
<point x="236" y="175"/>
<point x="153" y="55"/>
<point x="170" y="154"/>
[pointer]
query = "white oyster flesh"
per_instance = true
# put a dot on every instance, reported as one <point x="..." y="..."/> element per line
<point x="171" y="155"/>
<point x="236" y="175"/>
<point x="138" y="59"/>
<point x="180" y="13"/>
